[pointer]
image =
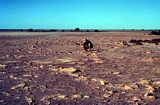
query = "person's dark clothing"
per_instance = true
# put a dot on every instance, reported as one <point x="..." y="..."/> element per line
<point x="87" y="45"/>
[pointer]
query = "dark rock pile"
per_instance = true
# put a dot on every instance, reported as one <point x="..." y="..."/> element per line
<point x="156" y="32"/>
<point x="139" y="42"/>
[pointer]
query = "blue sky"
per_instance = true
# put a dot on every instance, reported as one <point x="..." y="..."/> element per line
<point x="84" y="14"/>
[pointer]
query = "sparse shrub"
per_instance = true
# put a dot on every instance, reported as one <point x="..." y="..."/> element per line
<point x="30" y="30"/>
<point x="77" y="29"/>
<point x="53" y="30"/>
<point x="96" y="30"/>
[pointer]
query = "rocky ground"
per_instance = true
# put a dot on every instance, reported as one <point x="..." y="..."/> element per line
<point x="48" y="70"/>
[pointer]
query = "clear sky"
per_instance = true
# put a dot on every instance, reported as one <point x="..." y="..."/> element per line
<point x="84" y="14"/>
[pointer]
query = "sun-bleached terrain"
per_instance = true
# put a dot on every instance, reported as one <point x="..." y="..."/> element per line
<point x="45" y="69"/>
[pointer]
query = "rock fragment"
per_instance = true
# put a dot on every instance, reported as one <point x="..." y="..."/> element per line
<point x="149" y="96"/>
<point x="41" y="66"/>
<point x="86" y="97"/>
<point x="116" y="73"/>
<point x="76" y="96"/>
<point x="18" y="86"/>
<point x="12" y="77"/>
<point x="125" y="87"/>
<point x="68" y="70"/>
<point x="150" y="89"/>
<point x="108" y="94"/>
<point x="101" y="81"/>
<point x="80" y="63"/>
<point x="3" y="66"/>
<point x="54" y="96"/>
<point x="157" y="83"/>
<point x="6" y="93"/>
<point x="29" y="100"/>
<point x="143" y="82"/>
<point x="136" y="99"/>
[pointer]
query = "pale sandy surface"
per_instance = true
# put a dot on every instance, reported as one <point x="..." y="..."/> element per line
<point x="39" y="33"/>
<point x="48" y="70"/>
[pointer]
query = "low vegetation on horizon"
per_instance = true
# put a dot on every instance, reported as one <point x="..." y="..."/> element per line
<point x="153" y="31"/>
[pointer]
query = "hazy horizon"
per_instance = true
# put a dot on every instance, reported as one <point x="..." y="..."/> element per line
<point x="83" y="14"/>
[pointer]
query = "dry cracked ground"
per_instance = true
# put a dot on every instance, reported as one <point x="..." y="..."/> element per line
<point x="48" y="70"/>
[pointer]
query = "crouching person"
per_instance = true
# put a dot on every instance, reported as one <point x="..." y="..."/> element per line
<point x="87" y="45"/>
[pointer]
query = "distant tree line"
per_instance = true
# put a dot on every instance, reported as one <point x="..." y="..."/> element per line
<point x="152" y="32"/>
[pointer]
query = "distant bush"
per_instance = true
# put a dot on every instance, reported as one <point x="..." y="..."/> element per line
<point x="96" y="30"/>
<point x="77" y="29"/>
<point x="53" y="30"/>
<point x="62" y="30"/>
<point x="30" y="30"/>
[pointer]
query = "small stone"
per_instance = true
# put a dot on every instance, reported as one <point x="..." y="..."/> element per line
<point x="35" y="76"/>
<point x="156" y="83"/>
<point x="2" y="72"/>
<point x="99" y="61"/>
<point x="102" y="82"/>
<point x="150" y="89"/>
<point x="148" y="60"/>
<point x="29" y="100"/>
<point x="148" y="52"/>
<point x="135" y="86"/>
<point x="1" y="100"/>
<point x="74" y="75"/>
<point x="61" y="96"/>
<point x="41" y="66"/>
<point x="18" y="86"/>
<point x="80" y="63"/>
<point x="7" y="56"/>
<point x="27" y="75"/>
<point x="11" y="76"/>
<point x="6" y="94"/>
<point x="30" y="52"/>
<point x="144" y="82"/>
<point x="127" y="87"/>
<point x="76" y="96"/>
<point x="26" y="89"/>
<point x="136" y="99"/>
<point x="86" y="96"/>
<point x="68" y="70"/>
<point x="149" y="96"/>
<point x="106" y="95"/>
<point x="3" y="66"/>
<point x="116" y="73"/>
